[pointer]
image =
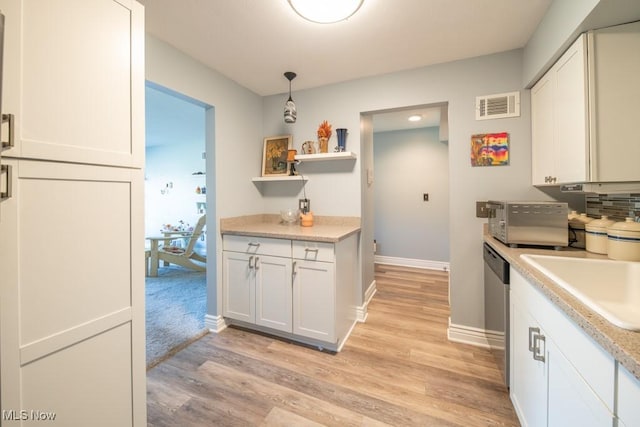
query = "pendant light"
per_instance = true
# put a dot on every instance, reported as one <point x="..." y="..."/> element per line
<point x="290" y="112"/>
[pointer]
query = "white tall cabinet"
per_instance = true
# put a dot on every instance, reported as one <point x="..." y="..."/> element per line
<point x="71" y="236"/>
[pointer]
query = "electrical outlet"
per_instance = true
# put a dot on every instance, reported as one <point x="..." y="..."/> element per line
<point x="425" y="197"/>
<point x="304" y="205"/>
<point x="481" y="210"/>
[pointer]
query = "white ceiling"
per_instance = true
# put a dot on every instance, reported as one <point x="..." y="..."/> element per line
<point x="253" y="42"/>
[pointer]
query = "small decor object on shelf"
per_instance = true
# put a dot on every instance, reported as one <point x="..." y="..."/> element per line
<point x="308" y="148"/>
<point x="274" y="155"/>
<point x="291" y="159"/>
<point x="342" y="140"/>
<point x="324" y="133"/>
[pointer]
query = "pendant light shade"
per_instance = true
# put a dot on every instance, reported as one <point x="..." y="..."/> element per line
<point x="290" y="112"/>
<point x="325" y="11"/>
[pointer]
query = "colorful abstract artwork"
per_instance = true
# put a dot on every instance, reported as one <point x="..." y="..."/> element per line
<point x="490" y="149"/>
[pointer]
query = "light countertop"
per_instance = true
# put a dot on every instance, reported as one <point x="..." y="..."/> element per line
<point x="622" y="344"/>
<point x="325" y="228"/>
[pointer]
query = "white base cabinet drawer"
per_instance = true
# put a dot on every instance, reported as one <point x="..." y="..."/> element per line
<point x="314" y="251"/>
<point x="257" y="245"/>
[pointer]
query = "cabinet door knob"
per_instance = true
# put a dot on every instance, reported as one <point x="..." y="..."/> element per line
<point x="251" y="262"/>
<point x="257" y="263"/>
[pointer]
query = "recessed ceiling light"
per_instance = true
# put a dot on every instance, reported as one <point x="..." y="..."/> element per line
<point x="415" y="118"/>
<point x="325" y="11"/>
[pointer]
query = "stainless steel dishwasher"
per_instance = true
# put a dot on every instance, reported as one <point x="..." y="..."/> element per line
<point x="496" y="305"/>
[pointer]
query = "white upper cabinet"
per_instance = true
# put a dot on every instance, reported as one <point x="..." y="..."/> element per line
<point x="559" y="121"/>
<point x="93" y="54"/>
<point x="614" y="85"/>
<point x="585" y="109"/>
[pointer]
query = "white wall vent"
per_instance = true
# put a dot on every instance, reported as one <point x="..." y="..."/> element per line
<point x="498" y="106"/>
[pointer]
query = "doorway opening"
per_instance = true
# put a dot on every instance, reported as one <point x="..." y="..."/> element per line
<point x="176" y="194"/>
<point x="410" y="193"/>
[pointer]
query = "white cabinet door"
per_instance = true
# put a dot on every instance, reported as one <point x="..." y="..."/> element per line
<point x="238" y="286"/>
<point x="571" y="139"/>
<point x="571" y="401"/>
<point x="74" y="80"/>
<point x="314" y="300"/>
<point x="628" y="398"/>
<point x="559" y="121"/>
<point x="528" y="376"/>
<point x="72" y="294"/>
<point x="615" y="89"/>
<point x="542" y="152"/>
<point x="273" y="292"/>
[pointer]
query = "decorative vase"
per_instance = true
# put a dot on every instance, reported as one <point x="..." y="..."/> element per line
<point x="324" y="144"/>
<point x="342" y="139"/>
<point x="308" y="148"/>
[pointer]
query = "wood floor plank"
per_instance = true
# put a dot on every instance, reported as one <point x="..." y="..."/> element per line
<point x="396" y="369"/>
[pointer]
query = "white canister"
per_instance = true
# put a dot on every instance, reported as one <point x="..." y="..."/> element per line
<point x="596" y="234"/>
<point x="623" y="240"/>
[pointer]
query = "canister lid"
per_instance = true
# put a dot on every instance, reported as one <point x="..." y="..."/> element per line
<point x="580" y="221"/>
<point x="626" y="228"/>
<point x="599" y="224"/>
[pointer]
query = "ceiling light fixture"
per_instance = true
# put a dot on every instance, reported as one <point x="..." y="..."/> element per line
<point x="290" y="112"/>
<point x="415" y="118"/>
<point x="325" y="11"/>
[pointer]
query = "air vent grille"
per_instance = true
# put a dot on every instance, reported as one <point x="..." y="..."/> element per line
<point x="498" y="106"/>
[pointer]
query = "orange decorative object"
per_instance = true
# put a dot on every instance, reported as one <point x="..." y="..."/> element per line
<point x="306" y="220"/>
<point x="324" y="130"/>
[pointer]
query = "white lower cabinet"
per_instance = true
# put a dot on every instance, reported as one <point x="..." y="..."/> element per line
<point x="314" y="300"/>
<point x="628" y="399"/>
<point x="528" y="375"/>
<point x="560" y="376"/>
<point x="572" y="402"/>
<point x="303" y="289"/>
<point x="273" y="292"/>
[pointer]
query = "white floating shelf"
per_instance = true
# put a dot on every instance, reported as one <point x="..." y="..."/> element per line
<point x="325" y="156"/>
<point x="278" y="178"/>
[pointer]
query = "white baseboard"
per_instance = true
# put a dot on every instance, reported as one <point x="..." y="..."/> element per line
<point x="410" y="262"/>
<point x="475" y="336"/>
<point x="215" y="324"/>
<point x="361" y="311"/>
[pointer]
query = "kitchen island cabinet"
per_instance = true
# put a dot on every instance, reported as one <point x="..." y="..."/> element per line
<point x="301" y="287"/>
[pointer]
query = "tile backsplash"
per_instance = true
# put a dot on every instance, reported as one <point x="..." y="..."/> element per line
<point x="615" y="206"/>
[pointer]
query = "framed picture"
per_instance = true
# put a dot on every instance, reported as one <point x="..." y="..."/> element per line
<point x="274" y="155"/>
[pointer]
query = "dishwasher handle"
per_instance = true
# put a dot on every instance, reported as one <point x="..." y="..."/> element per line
<point x="496" y="263"/>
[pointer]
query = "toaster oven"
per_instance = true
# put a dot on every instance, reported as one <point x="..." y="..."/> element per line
<point x="529" y="223"/>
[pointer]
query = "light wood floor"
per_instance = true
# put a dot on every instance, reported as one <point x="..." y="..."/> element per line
<point x="397" y="369"/>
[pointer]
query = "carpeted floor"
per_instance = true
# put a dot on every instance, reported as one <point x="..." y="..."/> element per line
<point x="175" y="307"/>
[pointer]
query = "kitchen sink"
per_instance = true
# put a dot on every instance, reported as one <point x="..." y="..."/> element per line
<point x="610" y="288"/>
